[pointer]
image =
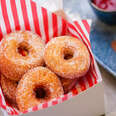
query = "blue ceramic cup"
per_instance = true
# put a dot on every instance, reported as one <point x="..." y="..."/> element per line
<point x="108" y="17"/>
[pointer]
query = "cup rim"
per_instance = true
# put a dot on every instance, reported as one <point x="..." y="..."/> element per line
<point x="102" y="10"/>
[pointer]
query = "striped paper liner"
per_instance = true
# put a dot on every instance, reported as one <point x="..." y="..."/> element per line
<point x="28" y="15"/>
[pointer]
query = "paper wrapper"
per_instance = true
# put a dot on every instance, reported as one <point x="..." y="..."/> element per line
<point x="51" y="5"/>
<point x="28" y="15"/>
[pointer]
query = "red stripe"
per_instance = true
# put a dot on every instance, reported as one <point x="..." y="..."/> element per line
<point x="35" y="108"/>
<point x="15" y="112"/>
<point x="94" y="76"/>
<point x="55" y="25"/>
<point x="45" y="105"/>
<point x="3" y="106"/>
<point x="73" y="35"/>
<point x="54" y="102"/>
<point x="95" y="70"/>
<point x="89" y="79"/>
<point x="45" y="21"/>
<point x="86" y="25"/>
<point x="5" y="16"/>
<point x="35" y="18"/>
<point x="25" y="112"/>
<point x="1" y="103"/>
<point x="93" y="66"/>
<point x="74" y="29"/>
<point x="10" y="112"/>
<point x="82" y="83"/>
<point x="1" y="35"/>
<point x="65" y="97"/>
<point x="79" y="27"/>
<point x="15" y="15"/>
<point x="74" y="91"/>
<point x="64" y="27"/>
<point x="25" y="15"/>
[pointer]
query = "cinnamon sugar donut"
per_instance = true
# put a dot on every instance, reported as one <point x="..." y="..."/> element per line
<point x="67" y="56"/>
<point x="68" y="84"/>
<point x="9" y="89"/>
<point x="19" y="52"/>
<point x="37" y="86"/>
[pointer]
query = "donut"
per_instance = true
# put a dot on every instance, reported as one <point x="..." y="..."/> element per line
<point x="68" y="84"/>
<point x="37" y="86"/>
<point x="19" y="52"/>
<point x="67" y="56"/>
<point x="9" y="90"/>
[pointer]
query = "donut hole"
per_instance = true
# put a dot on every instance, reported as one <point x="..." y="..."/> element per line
<point x="41" y="92"/>
<point x="68" y="54"/>
<point x="23" y="49"/>
<point x="44" y="65"/>
<point x="17" y="83"/>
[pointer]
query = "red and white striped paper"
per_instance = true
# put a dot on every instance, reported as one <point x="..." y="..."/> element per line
<point x="28" y="15"/>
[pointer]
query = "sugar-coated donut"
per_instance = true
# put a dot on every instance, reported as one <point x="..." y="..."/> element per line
<point x="19" y="52"/>
<point x="37" y="86"/>
<point x="67" y="56"/>
<point x="9" y="90"/>
<point x="68" y="84"/>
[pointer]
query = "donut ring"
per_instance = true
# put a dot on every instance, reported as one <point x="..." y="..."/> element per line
<point x="68" y="84"/>
<point x="19" y="52"/>
<point x="37" y="86"/>
<point x="67" y="56"/>
<point x="9" y="90"/>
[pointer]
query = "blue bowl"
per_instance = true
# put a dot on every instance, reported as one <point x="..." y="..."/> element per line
<point x="108" y="17"/>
